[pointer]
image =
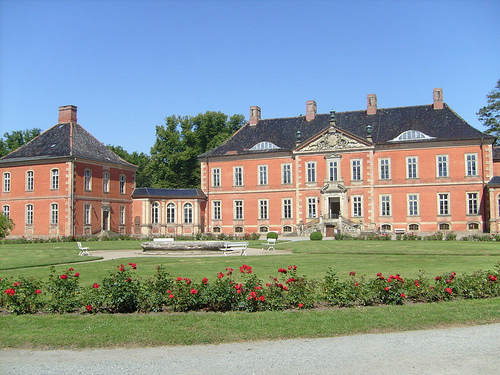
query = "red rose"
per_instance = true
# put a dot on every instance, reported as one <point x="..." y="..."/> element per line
<point x="258" y="288"/>
<point x="285" y="288"/>
<point x="449" y="291"/>
<point x="71" y="269"/>
<point x="194" y="291"/>
<point x="282" y="270"/>
<point x="133" y="265"/>
<point x="301" y="305"/>
<point x="389" y="280"/>
<point x="38" y="291"/>
<point x="262" y="298"/>
<point x="95" y="286"/>
<point x="268" y="285"/>
<point x="238" y="291"/>
<point x="204" y="280"/>
<point x="356" y="284"/>
<point x="77" y="274"/>
<point x="352" y="273"/>
<point x="169" y="291"/>
<point x="63" y="277"/>
<point x="89" y="308"/>
<point x="492" y="278"/>
<point x="122" y="268"/>
<point x="10" y="292"/>
<point x="229" y="270"/>
<point x="289" y="268"/>
<point x="17" y="283"/>
<point x="402" y="295"/>
<point x="170" y="296"/>
<point x="187" y="280"/>
<point x="179" y="278"/>
<point x="387" y="288"/>
<point x="245" y="269"/>
<point x="438" y="278"/>
<point x="294" y="267"/>
<point x="129" y="279"/>
<point x="379" y="274"/>
<point x="449" y="281"/>
<point x="220" y="275"/>
<point x="253" y="294"/>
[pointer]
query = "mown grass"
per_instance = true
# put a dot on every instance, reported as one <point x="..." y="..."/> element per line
<point x="94" y="331"/>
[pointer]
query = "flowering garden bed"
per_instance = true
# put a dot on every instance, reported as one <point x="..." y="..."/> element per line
<point x="241" y="290"/>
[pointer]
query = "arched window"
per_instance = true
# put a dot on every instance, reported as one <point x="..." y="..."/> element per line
<point x="287" y="229"/>
<point x="263" y="229"/>
<point x="386" y="227"/>
<point x="261" y="146"/>
<point x="414" y="227"/>
<point x="444" y="226"/>
<point x="30" y="180"/>
<point x="238" y="229"/>
<point x="473" y="226"/>
<point x="216" y="229"/>
<point x="188" y="213"/>
<point x="170" y="213"/>
<point x="6" y="210"/>
<point x="29" y="214"/>
<point x="411" y="135"/>
<point x="155" y="213"/>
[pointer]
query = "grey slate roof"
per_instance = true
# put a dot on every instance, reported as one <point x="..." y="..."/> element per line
<point x="494" y="182"/>
<point x="56" y="142"/>
<point x="168" y="193"/>
<point x="386" y="124"/>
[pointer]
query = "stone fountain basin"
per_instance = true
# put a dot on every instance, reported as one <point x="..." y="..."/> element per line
<point x="182" y="245"/>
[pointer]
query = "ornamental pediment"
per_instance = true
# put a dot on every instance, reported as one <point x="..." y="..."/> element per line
<point x="333" y="140"/>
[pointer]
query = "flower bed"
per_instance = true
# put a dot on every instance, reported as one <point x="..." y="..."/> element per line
<point x="241" y="290"/>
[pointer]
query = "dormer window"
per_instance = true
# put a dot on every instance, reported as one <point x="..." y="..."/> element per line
<point x="264" y="146"/>
<point x="411" y="135"/>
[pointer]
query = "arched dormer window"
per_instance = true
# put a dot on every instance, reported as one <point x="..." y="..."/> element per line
<point x="411" y="135"/>
<point x="262" y="146"/>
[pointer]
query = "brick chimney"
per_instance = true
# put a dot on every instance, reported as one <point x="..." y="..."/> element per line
<point x="254" y="114"/>
<point x="67" y="113"/>
<point x="371" y="104"/>
<point x="438" y="98"/>
<point x="310" y="110"/>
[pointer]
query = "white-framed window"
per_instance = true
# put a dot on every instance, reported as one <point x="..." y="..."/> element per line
<point x="54" y="213"/>
<point x="356" y="170"/>
<point x="411" y="167"/>
<point x="262" y="174"/>
<point x="471" y="164"/>
<point x="286" y="174"/>
<point x="472" y="203"/>
<point x="155" y="213"/>
<point x="238" y="229"/>
<point x="170" y="213"/>
<point x="386" y="227"/>
<point x="357" y="205"/>
<point x="312" y="208"/>
<point x="188" y="213"/>
<point x="263" y="209"/>
<point x="287" y="208"/>
<point x="29" y="214"/>
<point x="54" y="179"/>
<point x="473" y="226"/>
<point x="215" y="177"/>
<point x="123" y="183"/>
<point x="443" y="203"/>
<point x="238" y="210"/>
<point x="444" y="226"/>
<point x="287" y="229"/>
<point x="216" y="210"/>
<point x="498" y="203"/>
<point x="87" y="180"/>
<point x="311" y="171"/>
<point x="216" y="229"/>
<point x="238" y="176"/>
<point x="333" y="170"/>
<point x="6" y="182"/>
<point x="86" y="214"/>
<point x="6" y="210"/>
<point x="30" y="180"/>
<point x="442" y="166"/>
<point x="413" y="204"/>
<point x="414" y="227"/>
<point x="263" y="229"/>
<point x="385" y="205"/>
<point x="122" y="215"/>
<point x="384" y="169"/>
<point x="105" y="182"/>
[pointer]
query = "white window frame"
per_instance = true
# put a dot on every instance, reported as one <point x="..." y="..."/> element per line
<point x="237" y="207"/>
<point x="359" y="170"/>
<point x="410" y="209"/>
<point x="122" y="215"/>
<point x="30" y="211"/>
<point x="498" y="207"/>
<point x="333" y="169"/>
<point x="262" y="174"/>
<point x="414" y="160"/>
<point x="238" y="176"/>
<point x="469" y="200"/>
<point x="54" y="214"/>
<point x="384" y="175"/>
<point x="263" y="209"/>
<point x="87" y="214"/>
<point x="286" y="174"/>
<point x="155" y="212"/>
<point x="87" y="179"/>
<point x="444" y="162"/>
<point x="448" y="204"/>
<point x="357" y="205"/>
<point x="106" y="176"/>
<point x="6" y="182"/>
<point x="188" y="213"/>
<point x="385" y="205"/>
<point x="311" y="172"/>
<point x="123" y="184"/>
<point x="472" y="171"/>
<point x="287" y="208"/>
<point x="30" y="180"/>
<point x="414" y="230"/>
<point x="171" y="209"/>
<point x="216" y="177"/>
<point x="217" y="210"/>
<point x="6" y="210"/>
<point x="312" y="207"/>
<point x="54" y="179"/>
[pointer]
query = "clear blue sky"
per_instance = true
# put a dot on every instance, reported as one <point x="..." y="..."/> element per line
<point x="129" y="64"/>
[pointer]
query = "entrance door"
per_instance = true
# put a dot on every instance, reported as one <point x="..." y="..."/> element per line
<point x="333" y="208"/>
<point x="330" y="231"/>
<point x="105" y="220"/>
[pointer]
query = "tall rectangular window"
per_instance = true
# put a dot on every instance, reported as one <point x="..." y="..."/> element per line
<point x="442" y="165"/>
<point x="357" y="204"/>
<point x="215" y="177"/>
<point x="123" y="181"/>
<point x="286" y="174"/>
<point x="6" y="210"/>
<point x="29" y="214"/>
<point x="29" y="180"/>
<point x="86" y="214"/>
<point x="122" y="215"/>
<point x="411" y="167"/>
<point x="472" y="204"/>
<point x="471" y="164"/>
<point x="105" y="182"/>
<point x="263" y="209"/>
<point x="356" y="170"/>
<point x="333" y="170"/>
<point x="238" y="176"/>
<point x="311" y="171"/>
<point x="216" y="210"/>
<point x="262" y="174"/>
<point x="170" y="213"/>
<point x="6" y="182"/>
<point x="443" y="204"/>
<point x="88" y="180"/>
<point x="385" y="205"/>
<point x="385" y="172"/>
<point x="312" y="209"/>
<point x="54" y="179"/>
<point x="238" y="210"/>
<point x="412" y="205"/>
<point x="54" y="213"/>
<point x="287" y="208"/>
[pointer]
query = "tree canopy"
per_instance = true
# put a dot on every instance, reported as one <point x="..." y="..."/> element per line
<point x="6" y="225"/>
<point x="15" y="139"/>
<point x="142" y="178"/>
<point x="489" y="115"/>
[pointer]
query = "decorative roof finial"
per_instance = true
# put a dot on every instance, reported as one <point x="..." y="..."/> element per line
<point x="332" y="118"/>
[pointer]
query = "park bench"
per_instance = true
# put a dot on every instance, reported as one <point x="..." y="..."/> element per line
<point x="235" y="247"/>
<point x="269" y="245"/>
<point x="84" y="251"/>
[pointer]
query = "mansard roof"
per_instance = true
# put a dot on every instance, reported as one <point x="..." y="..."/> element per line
<point x="65" y="140"/>
<point x="388" y="123"/>
<point x="168" y="193"/>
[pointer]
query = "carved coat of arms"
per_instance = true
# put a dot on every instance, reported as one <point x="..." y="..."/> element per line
<point x="333" y="140"/>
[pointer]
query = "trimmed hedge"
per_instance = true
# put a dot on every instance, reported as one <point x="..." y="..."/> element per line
<point x="316" y="236"/>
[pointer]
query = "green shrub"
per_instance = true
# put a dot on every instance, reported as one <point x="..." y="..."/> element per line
<point x="316" y="236"/>
<point x="64" y="291"/>
<point x="121" y="290"/>
<point x="23" y="296"/>
<point x="272" y="235"/>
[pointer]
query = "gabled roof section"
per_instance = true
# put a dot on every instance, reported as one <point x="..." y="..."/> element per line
<point x="388" y="123"/>
<point x="65" y="140"/>
<point x="168" y="193"/>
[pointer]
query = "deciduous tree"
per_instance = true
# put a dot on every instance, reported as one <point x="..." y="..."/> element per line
<point x="489" y="115"/>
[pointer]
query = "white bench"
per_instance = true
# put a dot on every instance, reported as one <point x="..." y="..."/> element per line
<point x="269" y="246"/>
<point x="84" y="251"/>
<point x="170" y="239"/>
<point x="235" y="246"/>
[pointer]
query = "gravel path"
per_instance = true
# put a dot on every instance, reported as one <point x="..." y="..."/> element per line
<point x="465" y="350"/>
